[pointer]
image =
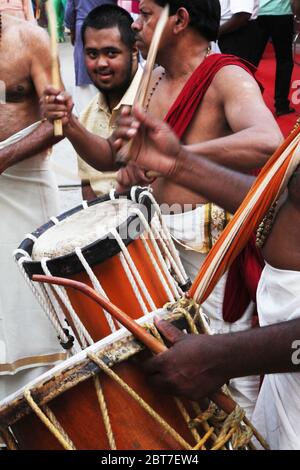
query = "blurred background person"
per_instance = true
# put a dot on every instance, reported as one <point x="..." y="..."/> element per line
<point x="132" y="6"/>
<point x="296" y="7"/>
<point x="76" y="11"/>
<point x="20" y="8"/>
<point x="239" y="29"/>
<point x="276" y="22"/>
<point x="60" y="6"/>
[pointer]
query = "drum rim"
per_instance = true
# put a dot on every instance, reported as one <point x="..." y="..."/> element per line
<point x="67" y="265"/>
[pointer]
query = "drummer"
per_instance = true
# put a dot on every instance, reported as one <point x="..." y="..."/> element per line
<point x="235" y="129"/>
<point x="230" y="125"/>
<point x="197" y="366"/>
<point x="28" y="195"/>
<point x="28" y="198"/>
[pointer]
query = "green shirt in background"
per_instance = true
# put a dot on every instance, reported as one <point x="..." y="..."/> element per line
<point x="275" y="7"/>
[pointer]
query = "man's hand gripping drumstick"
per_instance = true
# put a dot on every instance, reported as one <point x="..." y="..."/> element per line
<point x="155" y="149"/>
<point x="179" y="340"/>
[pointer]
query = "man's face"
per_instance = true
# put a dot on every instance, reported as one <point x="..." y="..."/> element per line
<point x="108" y="59"/>
<point x="144" y="25"/>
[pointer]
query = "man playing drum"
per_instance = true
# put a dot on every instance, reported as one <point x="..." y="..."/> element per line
<point x="28" y="197"/>
<point x="111" y="59"/>
<point x="196" y="366"/>
<point x="219" y="114"/>
<point x="235" y="129"/>
<point x="30" y="183"/>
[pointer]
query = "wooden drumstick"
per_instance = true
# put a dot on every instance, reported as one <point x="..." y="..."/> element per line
<point x="56" y="81"/>
<point x="222" y="400"/>
<point x="143" y="88"/>
<point x="140" y="333"/>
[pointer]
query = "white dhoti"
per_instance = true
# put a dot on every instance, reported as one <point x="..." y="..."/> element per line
<point x="189" y="229"/>
<point x="277" y="413"/>
<point x="28" y="198"/>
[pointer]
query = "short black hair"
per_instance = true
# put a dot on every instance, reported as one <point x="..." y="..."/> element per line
<point x="108" y="16"/>
<point x="205" y="15"/>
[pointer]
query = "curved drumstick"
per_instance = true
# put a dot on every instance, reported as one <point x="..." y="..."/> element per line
<point x="223" y="401"/>
<point x="148" y="340"/>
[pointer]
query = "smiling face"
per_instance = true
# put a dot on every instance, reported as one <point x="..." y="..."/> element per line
<point x="108" y="60"/>
<point x="144" y="25"/>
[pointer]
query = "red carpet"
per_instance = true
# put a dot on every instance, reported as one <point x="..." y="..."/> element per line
<point x="266" y="75"/>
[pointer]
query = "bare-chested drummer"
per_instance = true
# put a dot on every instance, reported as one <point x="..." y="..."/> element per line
<point x="28" y="193"/>
<point x="197" y="365"/>
<point x="28" y="197"/>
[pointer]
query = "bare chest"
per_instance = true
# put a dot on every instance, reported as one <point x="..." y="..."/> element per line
<point x="15" y="74"/>
<point x="208" y="121"/>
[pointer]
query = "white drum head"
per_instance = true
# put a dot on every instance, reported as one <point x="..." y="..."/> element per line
<point x="82" y="228"/>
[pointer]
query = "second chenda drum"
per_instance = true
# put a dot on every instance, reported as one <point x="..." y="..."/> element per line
<point x="117" y="244"/>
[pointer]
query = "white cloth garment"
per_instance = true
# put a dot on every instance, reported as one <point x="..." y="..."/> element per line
<point x="28" y="198"/>
<point x="187" y="229"/>
<point x="231" y="7"/>
<point x="277" y="413"/>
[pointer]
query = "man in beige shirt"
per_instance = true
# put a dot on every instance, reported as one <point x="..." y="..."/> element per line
<point x="111" y="58"/>
<point x="99" y="119"/>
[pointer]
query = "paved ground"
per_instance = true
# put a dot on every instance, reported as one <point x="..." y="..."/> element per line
<point x="64" y="161"/>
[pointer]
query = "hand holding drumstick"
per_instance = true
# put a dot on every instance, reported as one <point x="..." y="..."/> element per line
<point x="154" y="147"/>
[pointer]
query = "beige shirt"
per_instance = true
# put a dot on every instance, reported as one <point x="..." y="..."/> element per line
<point x="98" y="119"/>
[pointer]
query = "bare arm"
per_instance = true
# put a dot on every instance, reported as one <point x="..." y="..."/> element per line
<point x="39" y="140"/>
<point x="156" y="148"/>
<point x="221" y="185"/>
<point x="93" y="149"/>
<point x="197" y="365"/>
<point x="255" y="134"/>
<point x="236" y="22"/>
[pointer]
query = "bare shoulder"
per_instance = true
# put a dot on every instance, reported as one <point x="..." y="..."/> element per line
<point x="234" y="79"/>
<point x="35" y="38"/>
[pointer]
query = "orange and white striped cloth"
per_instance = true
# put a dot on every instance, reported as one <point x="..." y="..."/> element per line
<point x="266" y="189"/>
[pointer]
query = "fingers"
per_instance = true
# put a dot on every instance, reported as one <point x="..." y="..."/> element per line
<point x="169" y="331"/>
<point x="51" y="90"/>
<point x="56" y="104"/>
<point x="125" y="111"/>
<point x="144" y="118"/>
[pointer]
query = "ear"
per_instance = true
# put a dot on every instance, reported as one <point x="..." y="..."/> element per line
<point x="135" y="52"/>
<point x="181" y="20"/>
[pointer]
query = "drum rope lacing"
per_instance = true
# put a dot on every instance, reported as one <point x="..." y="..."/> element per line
<point x="85" y="338"/>
<point x="229" y="427"/>
<point x="56" y="430"/>
<point x="96" y="284"/>
<point x="42" y="299"/>
<point x="167" y="253"/>
<point x="153" y="234"/>
<point x="174" y="251"/>
<point x="8" y="439"/>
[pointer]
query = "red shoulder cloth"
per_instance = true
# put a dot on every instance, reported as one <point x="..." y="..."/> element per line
<point x="182" y="111"/>
<point x="244" y="274"/>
